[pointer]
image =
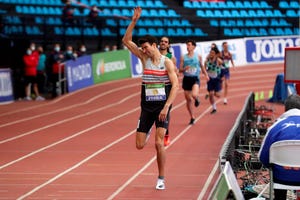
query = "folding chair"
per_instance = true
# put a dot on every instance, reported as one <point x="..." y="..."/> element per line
<point x="284" y="153"/>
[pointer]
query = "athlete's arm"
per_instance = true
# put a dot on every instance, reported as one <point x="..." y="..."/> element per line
<point x="127" y="38"/>
<point x="203" y="69"/>
<point x="175" y="86"/>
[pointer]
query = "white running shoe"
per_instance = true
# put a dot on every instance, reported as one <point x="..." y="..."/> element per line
<point x="40" y="98"/>
<point x="160" y="185"/>
<point x="27" y="98"/>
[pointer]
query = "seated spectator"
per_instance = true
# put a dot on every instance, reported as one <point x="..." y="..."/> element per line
<point x="287" y="127"/>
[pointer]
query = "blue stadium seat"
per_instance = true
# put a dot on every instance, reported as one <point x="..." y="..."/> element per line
<point x="149" y="4"/>
<point x="264" y="4"/>
<point x="159" y="4"/>
<point x="260" y="13"/>
<point x="171" y="13"/>
<point x="230" y="4"/>
<point x="153" y="31"/>
<point x="277" y="13"/>
<point x="209" y="13"/>
<point x="171" y="32"/>
<point x="112" y="3"/>
<point x="196" y="4"/>
<point x="153" y="13"/>
<point x="251" y="13"/>
<point x="200" y="13"/>
<point x="291" y="13"/>
<point x="106" y="32"/>
<point x="175" y="22"/>
<point x="240" y="23"/>
<point x="116" y="11"/>
<point x="58" y="30"/>
<point x="189" y="32"/>
<point x="158" y="22"/>
<point x="223" y="23"/>
<point x="226" y="14"/>
<point x="243" y="13"/>
<point x="147" y="22"/>
<point x="222" y="4"/>
<point x="247" y="4"/>
<point x="235" y="13"/>
<point x="163" y="13"/>
<point x="218" y="13"/>
<point x="141" y="3"/>
<point x="188" y="4"/>
<point x="269" y="13"/>
<point x="284" y="4"/>
<point x="239" y="4"/>
<point x="199" y="32"/>
<point x="126" y="12"/>
<point x="263" y="31"/>
<point x="142" y="31"/>
<point x="249" y="23"/>
<point x="294" y="4"/>
<point x="214" y="22"/>
<point x="255" y="4"/>
<point x="288" y="31"/>
<point x="236" y="32"/>
<point x="227" y="32"/>
<point x="103" y="3"/>
<point x="180" y="31"/>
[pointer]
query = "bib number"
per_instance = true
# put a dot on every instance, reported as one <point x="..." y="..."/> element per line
<point x="155" y="92"/>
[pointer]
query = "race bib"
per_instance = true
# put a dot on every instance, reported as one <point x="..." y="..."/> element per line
<point x="155" y="92"/>
<point x="191" y="70"/>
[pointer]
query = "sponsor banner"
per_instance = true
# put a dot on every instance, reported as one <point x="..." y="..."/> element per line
<point x="235" y="46"/>
<point x="176" y="51"/>
<point x="79" y="73"/>
<point x="111" y="65"/>
<point x="136" y="66"/>
<point x="268" y="49"/>
<point x="6" y="89"/>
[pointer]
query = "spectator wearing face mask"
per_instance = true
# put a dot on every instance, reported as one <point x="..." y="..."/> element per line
<point x="69" y="53"/>
<point x="56" y="68"/>
<point x="81" y="51"/>
<point x="30" y="60"/>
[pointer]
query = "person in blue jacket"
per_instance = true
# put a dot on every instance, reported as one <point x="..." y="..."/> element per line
<point x="286" y="127"/>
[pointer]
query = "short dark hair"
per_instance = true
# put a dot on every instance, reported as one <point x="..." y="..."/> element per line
<point x="215" y="49"/>
<point x="292" y="101"/>
<point x="191" y="41"/>
<point x="148" y="38"/>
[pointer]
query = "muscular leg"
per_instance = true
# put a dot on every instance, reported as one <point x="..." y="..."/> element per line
<point x="189" y="104"/>
<point x="160" y="150"/>
<point x="140" y="140"/>
<point x="195" y="91"/>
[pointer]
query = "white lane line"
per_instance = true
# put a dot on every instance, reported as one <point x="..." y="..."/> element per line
<point x="68" y="119"/>
<point x="68" y="107"/>
<point x="183" y="132"/>
<point x="74" y="166"/>
<point x="68" y="138"/>
<point x="58" y="99"/>
<point x="110" y="145"/>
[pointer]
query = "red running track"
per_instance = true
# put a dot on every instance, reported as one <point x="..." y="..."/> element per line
<point x="82" y="145"/>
